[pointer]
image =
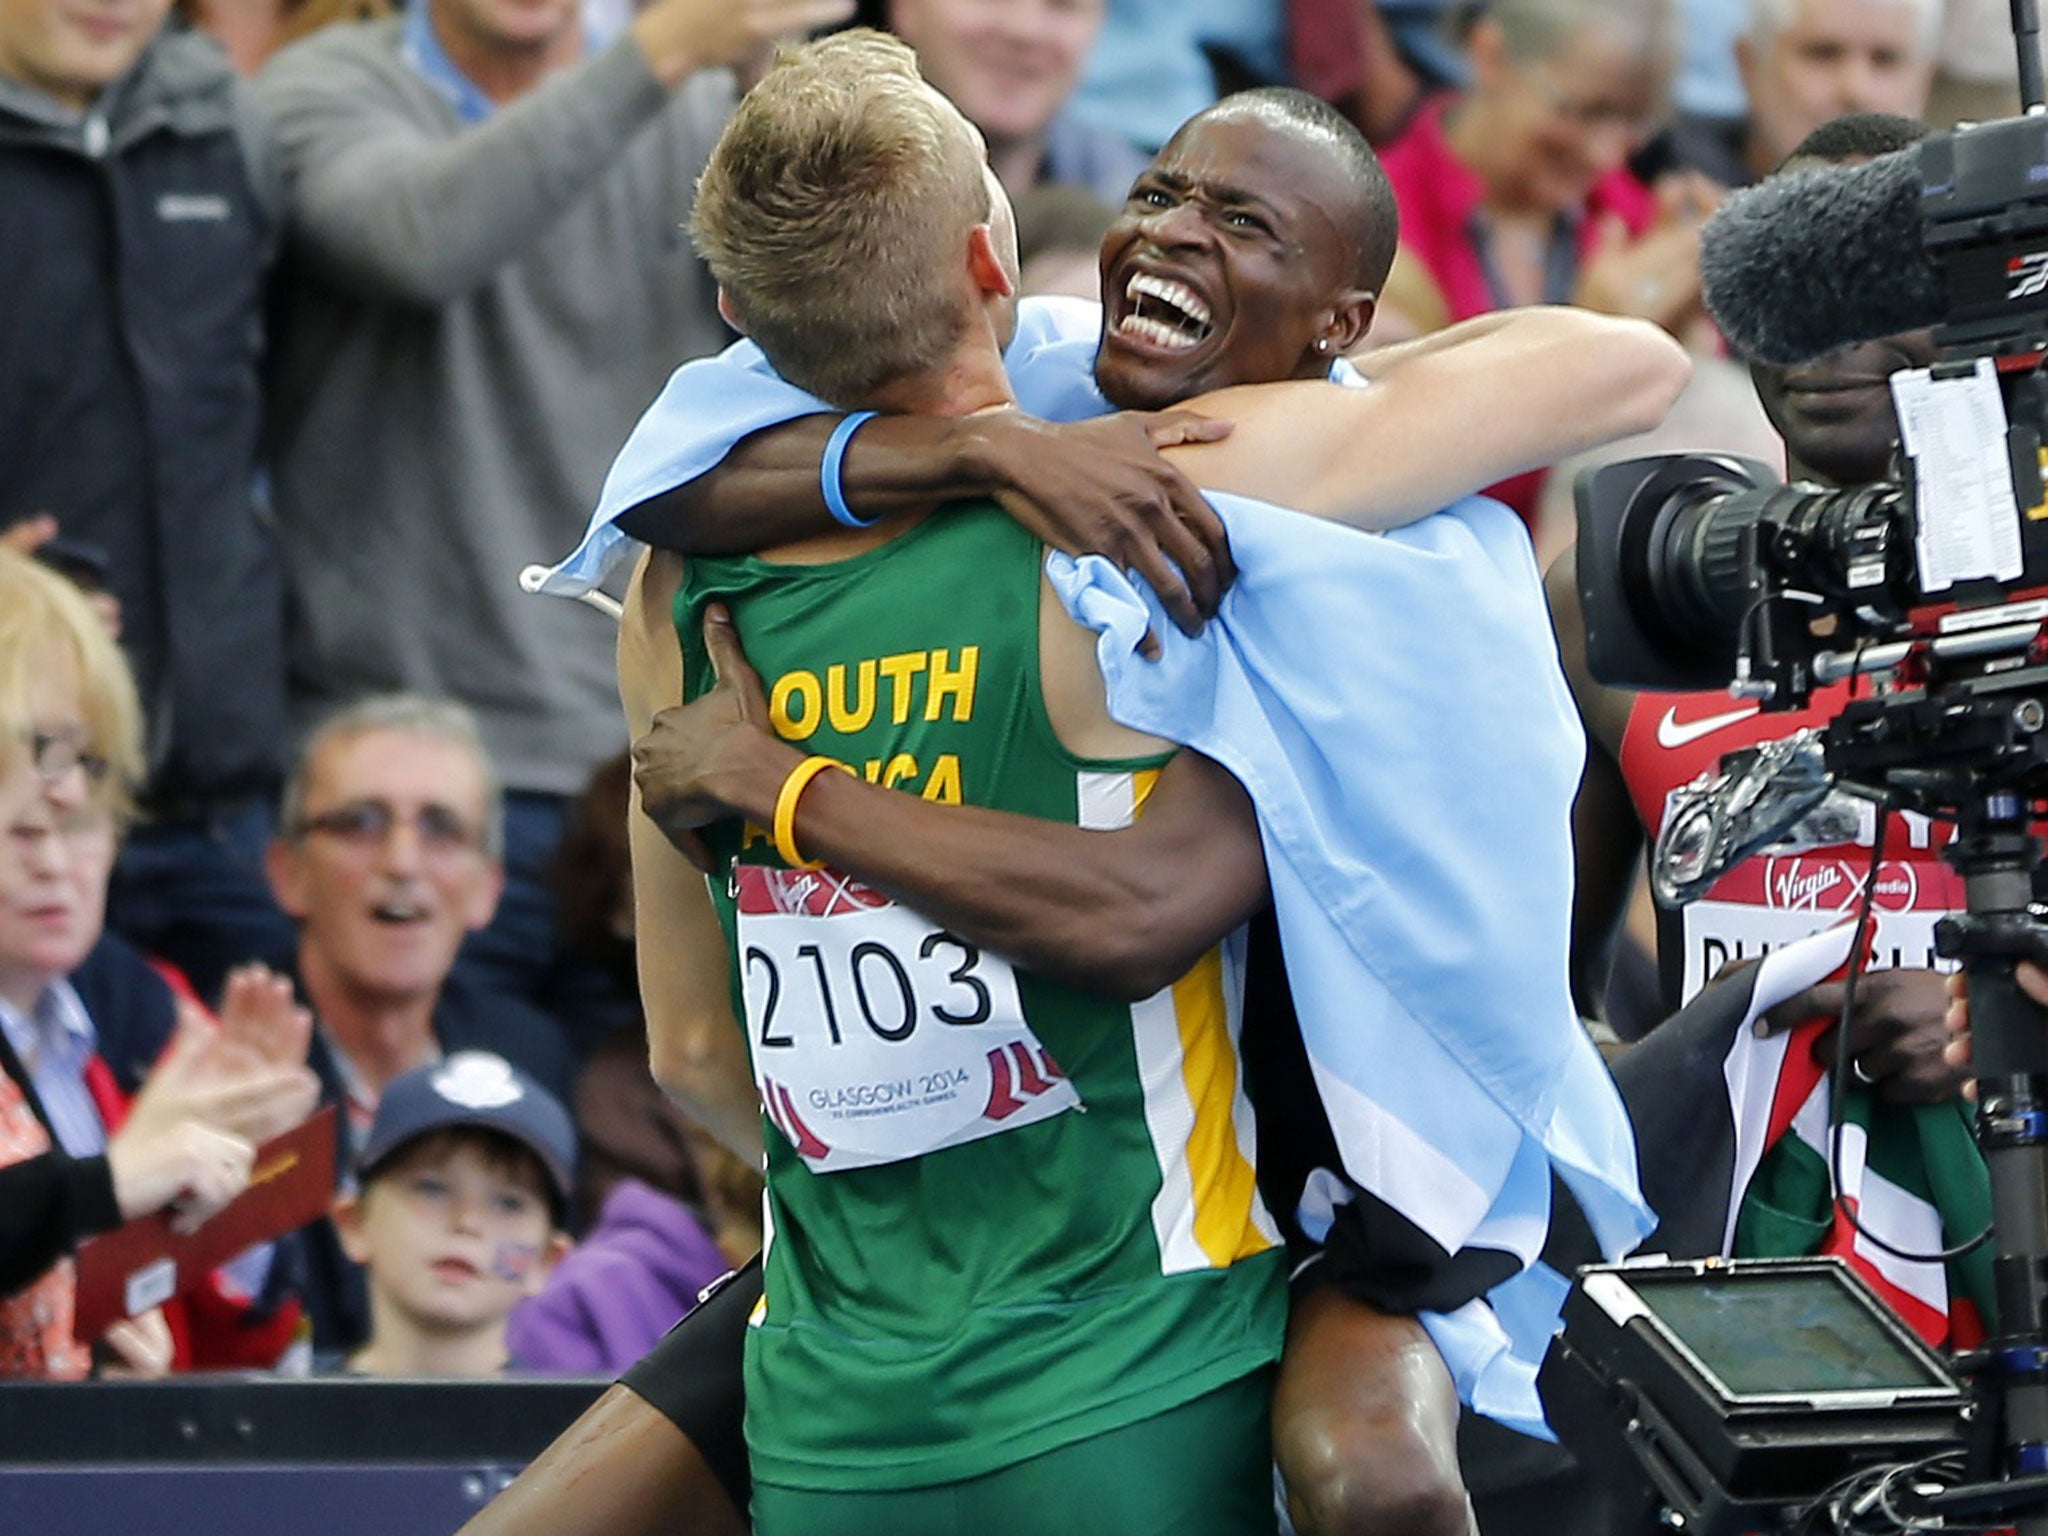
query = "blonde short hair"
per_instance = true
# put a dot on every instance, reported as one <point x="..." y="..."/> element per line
<point x="45" y="622"/>
<point x="834" y="211"/>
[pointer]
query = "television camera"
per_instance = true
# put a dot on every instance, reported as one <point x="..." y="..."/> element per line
<point x="1928" y="593"/>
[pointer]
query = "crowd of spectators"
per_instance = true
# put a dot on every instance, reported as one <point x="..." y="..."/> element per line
<point x="328" y="319"/>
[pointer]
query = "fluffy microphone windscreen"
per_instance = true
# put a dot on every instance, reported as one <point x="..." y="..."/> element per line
<point x="1809" y="261"/>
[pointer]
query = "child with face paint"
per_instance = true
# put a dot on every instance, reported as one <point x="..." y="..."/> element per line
<point x="458" y="1218"/>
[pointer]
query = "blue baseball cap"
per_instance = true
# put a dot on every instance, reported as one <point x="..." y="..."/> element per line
<point x="475" y="1088"/>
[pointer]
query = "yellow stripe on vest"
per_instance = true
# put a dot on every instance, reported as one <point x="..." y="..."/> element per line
<point x="1225" y="1188"/>
<point x="1207" y="1214"/>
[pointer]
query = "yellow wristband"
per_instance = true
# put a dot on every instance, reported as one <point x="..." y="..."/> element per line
<point x="785" y="809"/>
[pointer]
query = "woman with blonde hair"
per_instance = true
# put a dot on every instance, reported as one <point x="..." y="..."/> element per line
<point x="76" y="1155"/>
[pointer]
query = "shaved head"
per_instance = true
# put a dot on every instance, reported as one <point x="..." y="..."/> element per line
<point x="1366" y="212"/>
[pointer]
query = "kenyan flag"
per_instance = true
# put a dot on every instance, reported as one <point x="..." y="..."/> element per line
<point x="1911" y="1172"/>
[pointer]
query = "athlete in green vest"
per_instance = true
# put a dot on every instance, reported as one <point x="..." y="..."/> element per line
<point x="1010" y="1215"/>
<point x="974" y="1215"/>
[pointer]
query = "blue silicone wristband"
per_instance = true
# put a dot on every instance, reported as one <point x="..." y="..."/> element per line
<point x="829" y="467"/>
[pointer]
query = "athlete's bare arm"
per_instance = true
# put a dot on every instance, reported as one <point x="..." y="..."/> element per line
<point x="622" y="1469"/>
<point x="1447" y="415"/>
<point x="696" y="1050"/>
<point x="1088" y="487"/>
<point x="1077" y="915"/>
<point x="1122" y="913"/>
<point x="1607" y="838"/>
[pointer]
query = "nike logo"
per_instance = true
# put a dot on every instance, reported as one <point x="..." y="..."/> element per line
<point x="1671" y="735"/>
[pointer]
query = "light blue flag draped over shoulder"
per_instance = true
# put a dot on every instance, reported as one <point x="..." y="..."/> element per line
<point x="1395" y="708"/>
<point x="709" y="404"/>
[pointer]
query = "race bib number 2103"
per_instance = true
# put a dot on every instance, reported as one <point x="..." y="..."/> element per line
<point x="876" y="1035"/>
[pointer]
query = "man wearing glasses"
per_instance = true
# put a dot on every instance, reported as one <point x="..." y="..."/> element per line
<point x="388" y="855"/>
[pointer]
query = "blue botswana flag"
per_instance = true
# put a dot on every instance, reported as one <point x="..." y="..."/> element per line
<point x="1393" y="705"/>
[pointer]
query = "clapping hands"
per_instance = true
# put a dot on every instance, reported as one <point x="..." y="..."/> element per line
<point x="220" y="1089"/>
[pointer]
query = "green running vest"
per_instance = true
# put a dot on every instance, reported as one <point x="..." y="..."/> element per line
<point x="940" y="1317"/>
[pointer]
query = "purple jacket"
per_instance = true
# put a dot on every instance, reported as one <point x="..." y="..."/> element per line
<point x="640" y="1269"/>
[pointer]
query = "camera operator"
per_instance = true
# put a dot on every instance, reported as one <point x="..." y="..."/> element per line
<point x="1836" y="416"/>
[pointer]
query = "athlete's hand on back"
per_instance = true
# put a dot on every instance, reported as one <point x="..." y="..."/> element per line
<point x="1101" y="487"/>
<point x="714" y="756"/>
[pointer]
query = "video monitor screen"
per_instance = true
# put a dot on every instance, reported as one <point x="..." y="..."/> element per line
<point x="1778" y="1334"/>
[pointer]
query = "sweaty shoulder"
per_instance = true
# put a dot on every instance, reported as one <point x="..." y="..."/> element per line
<point x="1071" y="687"/>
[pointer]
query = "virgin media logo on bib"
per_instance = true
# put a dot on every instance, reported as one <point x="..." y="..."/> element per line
<point x="1834" y="885"/>
<point x="759" y="889"/>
